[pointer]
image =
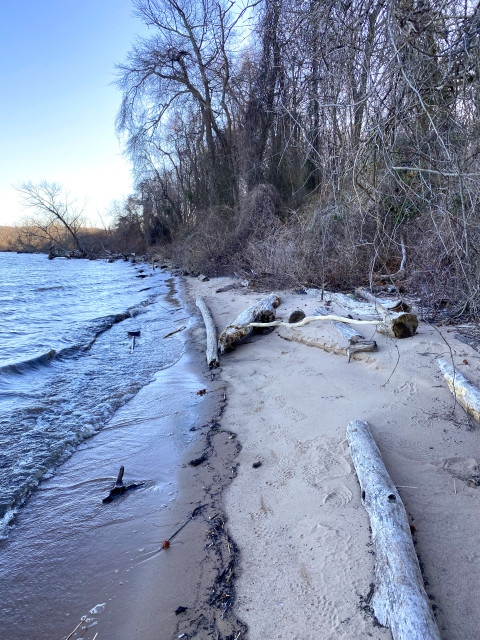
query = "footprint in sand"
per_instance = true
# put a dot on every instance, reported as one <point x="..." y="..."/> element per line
<point x="327" y="465"/>
<point x="268" y="381"/>
<point x="293" y="414"/>
<point x="407" y="388"/>
<point x="337" y="496"/>
<point x="461" y="468"/>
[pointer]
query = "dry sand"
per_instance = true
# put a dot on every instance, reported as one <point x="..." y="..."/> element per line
<point x="306" y="559"/>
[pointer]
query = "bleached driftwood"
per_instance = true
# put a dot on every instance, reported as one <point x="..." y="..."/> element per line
<point x="212" y="353"/>
<point x="400" y="601"/>
<point x="467" y="394"/>
<point x="398" y="319"/>
<point x="391" y="305"/>
<point x="259" y="315"/>
<point x="278" y="323"/>
<point x="353" y="306"/>
<point x="356" y="342"/>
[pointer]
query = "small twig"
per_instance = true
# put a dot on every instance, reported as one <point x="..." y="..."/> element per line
<point x="191" y="517"/>
<point x="78" y="625"/>
<point x="172" y="332"/>
<point x="396" y="364"/>
<point x="454" y="391"/>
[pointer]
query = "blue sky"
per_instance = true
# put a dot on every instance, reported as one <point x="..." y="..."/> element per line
<point x="57" y="107"/>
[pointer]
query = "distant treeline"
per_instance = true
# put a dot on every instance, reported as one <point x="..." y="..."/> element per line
<point x="26" y="239"/>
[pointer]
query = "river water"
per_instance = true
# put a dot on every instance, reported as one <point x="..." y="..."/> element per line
<point x="66" y="362"/>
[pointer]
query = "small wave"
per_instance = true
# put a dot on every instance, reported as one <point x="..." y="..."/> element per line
<point x="55" y="288"/>
<point x="32" y="363"/>
<point x="5" y="520"/>
<point x="96" y="328"/>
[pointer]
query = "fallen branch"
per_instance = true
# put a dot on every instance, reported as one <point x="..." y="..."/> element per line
<point x="353" y="306"/>
<point x="120" y="489"/>
<point x="465" y="392"/>
<point x="393" y="306"/>
<point x="212" y="353"/>
<point x="194" y="513"/>
<point x="308" y="319"/>
<point x="258" y="315"/>
<point x="400" y="601"/>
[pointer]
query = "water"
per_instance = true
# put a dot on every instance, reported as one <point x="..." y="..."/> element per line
<point x="65" y="358"/>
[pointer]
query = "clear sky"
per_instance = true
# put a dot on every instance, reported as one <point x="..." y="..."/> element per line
<point x="57" y="108"/>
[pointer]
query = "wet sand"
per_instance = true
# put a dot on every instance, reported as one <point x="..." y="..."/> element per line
<point x="306" y="567"/>
<point x="70" y="557"/>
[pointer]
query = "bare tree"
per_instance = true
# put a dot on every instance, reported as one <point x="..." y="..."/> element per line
<point x="51" y="211"/>
<point x="186" y="65"/>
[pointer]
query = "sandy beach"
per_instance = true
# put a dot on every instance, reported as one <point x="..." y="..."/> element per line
<point x="306" y="563"/>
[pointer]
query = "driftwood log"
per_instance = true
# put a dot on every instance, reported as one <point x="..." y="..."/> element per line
<point x="398" y="319"/>
<point x="212" y="353"/>
<point x="120" y="488"/>
<point x="353" y="306"/>
<point x="394" y="306"/>
<point x="399" y="601"/>
<point x="356" y="342"/>
<point x="260" y="314"/>
<point x="467" y="394"/>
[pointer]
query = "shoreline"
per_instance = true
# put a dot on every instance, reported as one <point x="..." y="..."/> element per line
<point x="306" y="562"/>
<point x="106" y="562"/>
<point x="281" y="550"/>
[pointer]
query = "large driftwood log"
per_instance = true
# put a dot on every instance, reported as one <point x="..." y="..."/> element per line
<point x="398" y="319"/>
<point x="465" y="392"/>
<point x="354" y="306"/>
<point x="212" y="353"/>
<point x="260" y="314"/>
<point x="394" y="306"/>
<point x="356" y="342"/>
<point x="400" y="601"/>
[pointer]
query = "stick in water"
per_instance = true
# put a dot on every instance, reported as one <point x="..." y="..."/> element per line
<point x="172" y="332"/>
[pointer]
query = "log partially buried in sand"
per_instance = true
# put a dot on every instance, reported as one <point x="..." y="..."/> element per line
<point x="400" y="601"/>
<point x="398" y="319"/>
<point x="465" y="392"/>
<point x="260" y="313"/>
<point x="212" y="354"/>
<point x="356" y="342"/>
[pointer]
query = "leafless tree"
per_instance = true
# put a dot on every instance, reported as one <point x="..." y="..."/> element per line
<point x="51" y="213"/>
